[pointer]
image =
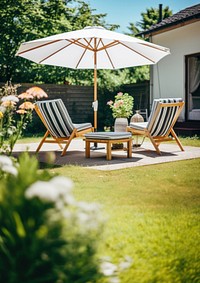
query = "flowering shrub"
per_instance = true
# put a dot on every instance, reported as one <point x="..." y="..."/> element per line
<point x="45" y="234"/>
<point x="122" y="107"/>
<point x="14" y="116"/>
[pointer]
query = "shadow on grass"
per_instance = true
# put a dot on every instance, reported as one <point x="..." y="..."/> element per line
<point x="43" y="165"/>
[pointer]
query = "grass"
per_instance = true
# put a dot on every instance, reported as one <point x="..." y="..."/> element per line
<point x="153" y="217"/>
<point x="30" y="139"/>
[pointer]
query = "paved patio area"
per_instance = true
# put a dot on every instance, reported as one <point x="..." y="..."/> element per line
<point x="143" y="156"/>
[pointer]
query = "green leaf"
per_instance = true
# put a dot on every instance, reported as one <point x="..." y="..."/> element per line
<point x="19" y="225"/>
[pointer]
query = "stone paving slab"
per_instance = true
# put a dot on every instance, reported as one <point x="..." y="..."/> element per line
<point x="142" y="156"/>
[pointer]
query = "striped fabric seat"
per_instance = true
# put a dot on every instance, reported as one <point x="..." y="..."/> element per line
<point x="162" y="117"/>
<point x="58" y="123"/>
<point x="159" y="127"/>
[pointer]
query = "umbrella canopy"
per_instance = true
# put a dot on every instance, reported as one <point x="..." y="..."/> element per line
<point x="92" y="48"/>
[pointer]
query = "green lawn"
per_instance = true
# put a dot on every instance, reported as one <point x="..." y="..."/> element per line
<point x="153" y="216"/>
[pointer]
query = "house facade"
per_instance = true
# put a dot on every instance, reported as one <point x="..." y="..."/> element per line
<point x="178" y="74"/>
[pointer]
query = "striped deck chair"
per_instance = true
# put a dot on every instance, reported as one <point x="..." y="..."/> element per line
<point x="58" y="123"/>
<point x="159" y="127"/>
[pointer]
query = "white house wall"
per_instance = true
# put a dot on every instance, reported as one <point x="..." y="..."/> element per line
<point x="168" y="76"/>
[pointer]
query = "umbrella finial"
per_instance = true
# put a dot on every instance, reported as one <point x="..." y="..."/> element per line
<point x="94" y="27"/>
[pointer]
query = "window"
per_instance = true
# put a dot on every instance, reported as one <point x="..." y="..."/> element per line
<point x="193" y="87"/>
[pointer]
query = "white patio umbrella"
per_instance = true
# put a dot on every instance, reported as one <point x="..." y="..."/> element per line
<point x="92" y="48"/>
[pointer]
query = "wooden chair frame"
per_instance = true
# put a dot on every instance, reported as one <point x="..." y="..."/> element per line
<point x="50" y="138"/>
<point x="146" y="128"/>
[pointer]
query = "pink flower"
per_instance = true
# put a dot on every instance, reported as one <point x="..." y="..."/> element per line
<point x="25" y="95"/>
<point x="37" y="92"/>
<point x="122" y="105"/>
<point x="8" y="103"/>
<point x="27" y="105"/>
<point x="21" y="111"/>
<point x="110" y="102"/>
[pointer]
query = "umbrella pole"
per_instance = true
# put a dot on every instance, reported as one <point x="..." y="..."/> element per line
<point x="95" y="147"/>
<point x="95" y="97"/>
<point x="95" y="94"/>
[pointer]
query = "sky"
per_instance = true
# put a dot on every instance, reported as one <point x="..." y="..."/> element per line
<point x="122" y="12"/>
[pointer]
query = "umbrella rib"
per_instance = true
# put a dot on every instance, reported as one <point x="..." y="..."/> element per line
<point x="78" y="43"/>
<point x="36" y="47"/>
<point x="89" y="46"/>
<point x="107" y="53"/>
<point x="138" y="52"/>
<point x="155" y="47"/>
<point x="52" y="42"/>
<point x="112" y="44"/>
<point x="100" y="40"/>
<point x="86" y="48"/>
<point x="55" y="52"/>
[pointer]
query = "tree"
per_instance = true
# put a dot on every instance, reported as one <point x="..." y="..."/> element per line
<point x="24" y="20"/>
<point x="133" y="29"/>
<point x="149" y="18"/>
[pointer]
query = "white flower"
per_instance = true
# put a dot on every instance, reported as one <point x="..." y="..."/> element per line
<point x="89" y="215"/>
<point x="2" y="109"/>
<point x="114" y="280"/>
<point x="83" y="217"/>
<point x="64" y="184"/>
<point x="42" y="190"/>
<point x="64" y="187"/>
<point x="5" y="160"/>
<point x="89" y="207"/>
<point x="54" y="190"/>
<point x="108" y="268"/>
<point x="65" y="199"/>
<point x="10" y="98"/>
<point x="126" y="263"/>
<point x="6" y="165"/>
<point x="69" y="199"/>
<point x="10" y="169"/>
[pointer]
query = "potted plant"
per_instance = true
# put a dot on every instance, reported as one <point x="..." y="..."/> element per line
<point x="122" y="109"/>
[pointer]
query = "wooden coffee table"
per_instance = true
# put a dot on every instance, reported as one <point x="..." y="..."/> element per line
<point x="108" y="138"/>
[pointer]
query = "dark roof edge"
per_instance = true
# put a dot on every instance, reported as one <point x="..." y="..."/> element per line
<point x="163" y="27"/>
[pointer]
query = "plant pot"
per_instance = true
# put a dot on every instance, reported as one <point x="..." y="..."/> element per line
<point x="120" y="124"/>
